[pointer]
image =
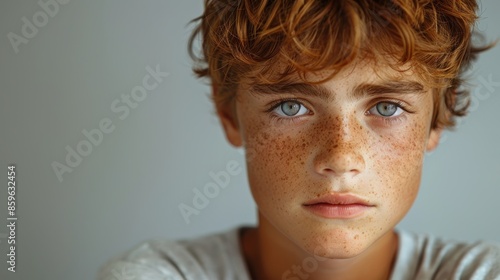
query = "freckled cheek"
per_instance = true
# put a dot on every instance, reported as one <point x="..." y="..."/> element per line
<point x="399" y="166"/>
<point x="275" y="163"/>
<point x="404" y="149"/>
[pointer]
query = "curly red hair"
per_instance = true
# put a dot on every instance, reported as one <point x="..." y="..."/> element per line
<point x="246" y="39"/>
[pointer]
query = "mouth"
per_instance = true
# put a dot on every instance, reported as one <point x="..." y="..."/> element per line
<point x="338" y="206"/>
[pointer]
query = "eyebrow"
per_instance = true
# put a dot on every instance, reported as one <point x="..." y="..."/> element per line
<point x="362" y="90"/>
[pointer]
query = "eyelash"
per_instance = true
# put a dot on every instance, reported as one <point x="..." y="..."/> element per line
<point x="278" y="103"/>
<point x="387" y="120"/>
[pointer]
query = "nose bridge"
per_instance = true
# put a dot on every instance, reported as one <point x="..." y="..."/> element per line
<point x="340" y="145"/>
<point x="341" y="131"/>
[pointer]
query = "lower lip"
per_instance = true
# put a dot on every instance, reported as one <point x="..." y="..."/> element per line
<point x="337" y="211"/>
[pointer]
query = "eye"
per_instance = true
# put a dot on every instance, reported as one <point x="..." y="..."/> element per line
<point x="290" y="108"/>
<point x="386" y="109"/>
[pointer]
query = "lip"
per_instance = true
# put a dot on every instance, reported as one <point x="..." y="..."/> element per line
<point x="338" y="206"/>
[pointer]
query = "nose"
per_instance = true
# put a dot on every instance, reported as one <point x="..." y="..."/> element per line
<point x="340" y="148"/>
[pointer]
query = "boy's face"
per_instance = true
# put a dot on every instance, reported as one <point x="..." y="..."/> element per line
<point x="361" y="133"/>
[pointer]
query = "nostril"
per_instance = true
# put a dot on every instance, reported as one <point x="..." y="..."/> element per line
<point x="354" y="172"/>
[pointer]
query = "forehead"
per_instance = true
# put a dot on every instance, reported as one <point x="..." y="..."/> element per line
<point x="359" y="80"/>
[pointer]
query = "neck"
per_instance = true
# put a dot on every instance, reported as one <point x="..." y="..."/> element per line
<point x="271" y="255"/>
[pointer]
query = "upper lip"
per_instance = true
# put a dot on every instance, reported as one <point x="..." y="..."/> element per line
<point x="338" y="199"/>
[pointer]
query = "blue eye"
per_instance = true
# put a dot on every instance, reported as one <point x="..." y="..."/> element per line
<point x="290" y="108"/>
<point x="386" y="109"/>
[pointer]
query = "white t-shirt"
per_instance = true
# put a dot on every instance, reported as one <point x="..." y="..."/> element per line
<point x="218" y="257"/>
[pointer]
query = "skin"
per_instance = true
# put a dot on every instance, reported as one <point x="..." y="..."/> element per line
<point x="338" y="144"/>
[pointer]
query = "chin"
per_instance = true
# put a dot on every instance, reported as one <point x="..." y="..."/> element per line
<point x="333" y="244"/>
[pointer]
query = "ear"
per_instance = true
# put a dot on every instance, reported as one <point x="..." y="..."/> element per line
<point x="434" y="137"/>
<point x="229" y="121"/>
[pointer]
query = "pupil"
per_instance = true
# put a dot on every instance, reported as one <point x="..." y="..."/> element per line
<point x="290" y="108"/>
<point x="386" y="109"/>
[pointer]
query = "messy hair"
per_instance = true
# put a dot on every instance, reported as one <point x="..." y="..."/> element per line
<point x="246" y="39"/>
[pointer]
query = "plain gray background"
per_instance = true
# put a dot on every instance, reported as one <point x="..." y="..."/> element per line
<point x="128" y="189"/>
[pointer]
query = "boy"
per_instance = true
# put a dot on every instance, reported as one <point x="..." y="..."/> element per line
<point x="335" y="103"/>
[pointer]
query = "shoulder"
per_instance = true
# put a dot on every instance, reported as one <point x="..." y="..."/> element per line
<point x="161" y="259"/>
<point x="430" y="257"/>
